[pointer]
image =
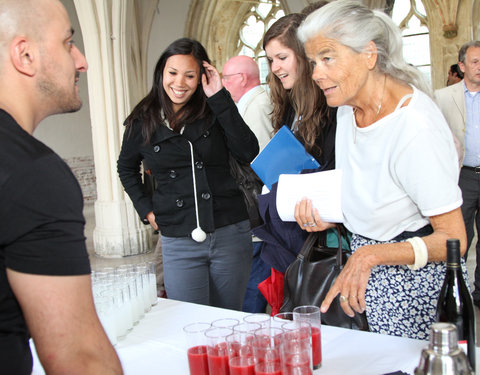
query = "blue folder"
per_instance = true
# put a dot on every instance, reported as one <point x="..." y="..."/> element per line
<point x="284" y="154"/>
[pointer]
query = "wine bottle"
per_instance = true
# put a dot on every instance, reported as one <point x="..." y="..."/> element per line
<point x="455" y="302"/>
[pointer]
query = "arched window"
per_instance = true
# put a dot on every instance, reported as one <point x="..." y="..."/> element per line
<point x="410" y="17"/>
<point x="256" y="22"/>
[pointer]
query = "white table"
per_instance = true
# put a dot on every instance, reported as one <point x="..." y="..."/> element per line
<point x="157" y="345"/>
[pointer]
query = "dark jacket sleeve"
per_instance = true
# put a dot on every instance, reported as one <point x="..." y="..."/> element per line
<point x="128" y="168"/>
<point x="240" y="140"/>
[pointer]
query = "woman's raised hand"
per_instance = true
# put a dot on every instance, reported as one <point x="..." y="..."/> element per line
<point x="211" y="81"/>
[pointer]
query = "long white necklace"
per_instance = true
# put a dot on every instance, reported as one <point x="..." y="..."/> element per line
<point x="379" y="108"/>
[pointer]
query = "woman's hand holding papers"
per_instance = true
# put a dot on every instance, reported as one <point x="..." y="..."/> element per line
<point x="308" y="217"/>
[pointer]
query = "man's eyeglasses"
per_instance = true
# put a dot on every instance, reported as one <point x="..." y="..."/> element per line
<point x="225" y="76"/>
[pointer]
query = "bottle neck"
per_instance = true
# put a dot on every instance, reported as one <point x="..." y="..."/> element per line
<point x="453" y="266"/>
<point x="453" y="253"/>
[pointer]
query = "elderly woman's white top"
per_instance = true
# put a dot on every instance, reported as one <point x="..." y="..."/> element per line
<point x="398" y="171"/>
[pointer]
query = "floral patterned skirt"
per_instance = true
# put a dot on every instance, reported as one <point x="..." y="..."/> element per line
<point x="402" y="302"/>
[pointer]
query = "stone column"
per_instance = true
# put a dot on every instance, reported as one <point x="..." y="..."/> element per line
<point x="115" y="34"/>
<point x="450" y="26"/>
<point x="476" y="19"/>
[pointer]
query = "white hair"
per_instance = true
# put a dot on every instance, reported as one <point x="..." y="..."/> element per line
<point x="354" y="25"/>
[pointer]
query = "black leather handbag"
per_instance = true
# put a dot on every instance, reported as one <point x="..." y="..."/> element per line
<point x="310" y="276"/>
<point x="250" y="186"/>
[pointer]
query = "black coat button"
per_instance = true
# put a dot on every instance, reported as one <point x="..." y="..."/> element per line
<point x="172" y="174"/>
<point x="179" y="202"/>
<point x="199" y="164"/>
<point x="206" y="196"/>
<point x="156" y="148"/>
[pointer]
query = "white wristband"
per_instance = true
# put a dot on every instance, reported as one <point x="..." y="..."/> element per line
<point x="420" y="251"/>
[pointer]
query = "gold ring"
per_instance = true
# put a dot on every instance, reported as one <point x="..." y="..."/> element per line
<point x="313" y="224"/>
<point x="343" y="298"/>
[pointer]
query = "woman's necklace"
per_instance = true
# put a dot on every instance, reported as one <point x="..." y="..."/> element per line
<point x="379" y="108"/>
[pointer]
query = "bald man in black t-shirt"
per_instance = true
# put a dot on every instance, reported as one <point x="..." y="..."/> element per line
<point x="45" y="286"/>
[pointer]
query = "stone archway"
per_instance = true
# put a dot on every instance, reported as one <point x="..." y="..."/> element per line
<point x="216" y="24"/>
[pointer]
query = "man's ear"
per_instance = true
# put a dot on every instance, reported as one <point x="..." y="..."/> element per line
<point x="22" y="56"/>
<point x="461" y="65"/>
<point x="244" y="80"/>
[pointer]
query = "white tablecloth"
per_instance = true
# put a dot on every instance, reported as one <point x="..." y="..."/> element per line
<point x="157" y="345"/>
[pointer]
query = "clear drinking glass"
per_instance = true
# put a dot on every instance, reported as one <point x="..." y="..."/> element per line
<point x="217" y="350"/>
<point x="105" y="311"/>
<point x="123" y="274"/>
<point x="143" y="278"/>
<point x="197" y="347"/>
<point x="311" y="314"/>
<point x="261" y="318"/>
<point x="296" y="350"/>
<point x="152" y="276"/>
<point x="246" y="327"/>
<point x="240" y="344"/>
<point x="225" y="323"/>
<point x="125" y="303"/>
<point x="281" y="318"/>
<point x="267" y="344"/>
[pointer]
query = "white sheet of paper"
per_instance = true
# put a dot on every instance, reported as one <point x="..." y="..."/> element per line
<point x="323" y="188"/>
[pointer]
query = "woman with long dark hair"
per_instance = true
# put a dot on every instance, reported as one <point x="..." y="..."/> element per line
<point x="297" y="101"/>
<point x="186" y="128"/>
<point x="299" y="104"/>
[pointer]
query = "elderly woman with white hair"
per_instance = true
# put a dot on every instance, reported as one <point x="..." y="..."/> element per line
<point x="400" y="197"/>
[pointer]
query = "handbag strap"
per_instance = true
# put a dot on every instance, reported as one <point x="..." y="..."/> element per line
<point x="339" y="261"/>
<point x="307" y="247"/>
<point x="316" y="237"/>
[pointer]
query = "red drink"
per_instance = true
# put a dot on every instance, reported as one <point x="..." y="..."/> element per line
<point x="234" y="349"/>
<point x="242" y="366"/>
<point x="296" y="364"/>
<point x="277" y="372"/>
<point x="218" y="360"/>
<point x="316" y="348"/>
<point x="268" y="368"/>
<point x="197" y="360"/>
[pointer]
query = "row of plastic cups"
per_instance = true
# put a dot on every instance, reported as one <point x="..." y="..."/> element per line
<point x="122" y="296"/>
<point x="258" y="345"/>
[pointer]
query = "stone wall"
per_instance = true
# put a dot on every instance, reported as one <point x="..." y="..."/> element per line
<point x="84" y="170"/>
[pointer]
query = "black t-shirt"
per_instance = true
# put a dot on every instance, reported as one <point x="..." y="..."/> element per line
<point x="41" y="229"/>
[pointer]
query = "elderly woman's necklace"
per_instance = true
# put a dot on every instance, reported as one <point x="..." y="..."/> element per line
<point x="379" y="108"/>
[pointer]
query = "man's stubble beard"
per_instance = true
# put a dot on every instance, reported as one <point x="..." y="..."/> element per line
<point x="61" y="99"/>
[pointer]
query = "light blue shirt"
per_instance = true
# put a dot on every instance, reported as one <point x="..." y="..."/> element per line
<point x="472" y="128"/>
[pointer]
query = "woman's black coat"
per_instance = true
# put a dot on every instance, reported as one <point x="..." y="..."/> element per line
<point x="169" y="159"/>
